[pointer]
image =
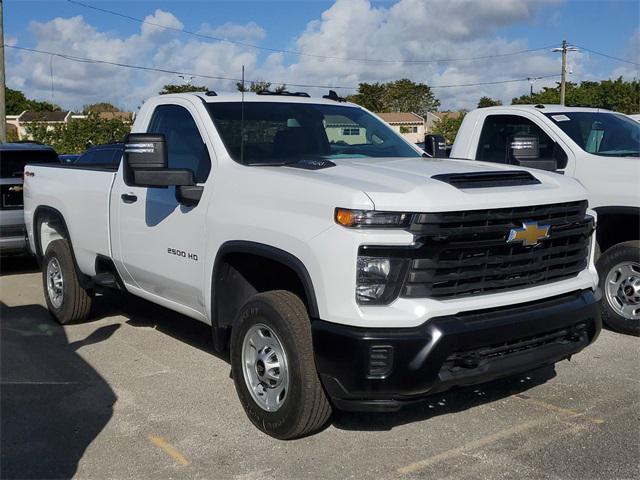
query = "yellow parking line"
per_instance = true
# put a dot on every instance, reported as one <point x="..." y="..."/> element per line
<point x="482" y="442"/>
<point x="169" y="449"/>
<point x="550" y="406"/>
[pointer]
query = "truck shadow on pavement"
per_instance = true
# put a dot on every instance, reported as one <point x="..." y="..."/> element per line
<point x="52" y="403"/>
<point x="141" y="313"/>
<point x="452" y="401"/>
<point x="18" y="264"/>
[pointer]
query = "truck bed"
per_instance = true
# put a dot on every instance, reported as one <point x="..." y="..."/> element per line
<point x="81" y="193"/>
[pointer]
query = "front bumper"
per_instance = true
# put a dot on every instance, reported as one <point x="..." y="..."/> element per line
<point x="381" y="369"/>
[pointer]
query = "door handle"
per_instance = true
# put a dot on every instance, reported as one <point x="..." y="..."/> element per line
<point x="126" y="198"/>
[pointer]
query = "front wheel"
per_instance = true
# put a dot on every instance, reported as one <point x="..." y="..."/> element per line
<point x="619" y="272"/>
<point x="273" y="366"/>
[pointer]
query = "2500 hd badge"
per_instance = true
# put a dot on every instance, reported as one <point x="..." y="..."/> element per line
<point x="182" y="253"/>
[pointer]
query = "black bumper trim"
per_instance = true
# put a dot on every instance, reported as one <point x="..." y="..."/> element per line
<point x="448" y="351"/>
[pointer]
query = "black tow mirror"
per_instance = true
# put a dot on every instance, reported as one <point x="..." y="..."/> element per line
<point x="524" y="150"/>
<point x="435" y="146"/>
<point x="146" y="165"/>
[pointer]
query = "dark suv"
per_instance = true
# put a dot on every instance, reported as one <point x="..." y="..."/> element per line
<point x="13" y="158"/>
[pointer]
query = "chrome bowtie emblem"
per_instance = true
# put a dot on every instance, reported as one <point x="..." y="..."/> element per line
<point x="529" y="235"/>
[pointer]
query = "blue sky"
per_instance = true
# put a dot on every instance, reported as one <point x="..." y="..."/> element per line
<point x="410" y="29"/>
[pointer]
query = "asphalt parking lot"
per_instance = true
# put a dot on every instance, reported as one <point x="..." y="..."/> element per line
<point x="138" y="393"/>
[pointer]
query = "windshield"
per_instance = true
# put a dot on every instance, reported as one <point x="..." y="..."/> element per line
<point x="601" y="133"/>
<point x="280" y="133"/>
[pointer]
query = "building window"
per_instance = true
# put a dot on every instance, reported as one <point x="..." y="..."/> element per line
<point x="408" y="129"/>
<point x="350" y="131"/>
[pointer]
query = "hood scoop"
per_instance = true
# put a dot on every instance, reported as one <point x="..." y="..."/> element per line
<point x="312" y="164"/>
<point x="487" y="179"/>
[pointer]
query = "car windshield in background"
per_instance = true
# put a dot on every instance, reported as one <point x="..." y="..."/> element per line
<point x="601" y="133"/>
<point x="280" y="133"/>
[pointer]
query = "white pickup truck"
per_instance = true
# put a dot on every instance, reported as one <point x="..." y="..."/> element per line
<point x="339" y="266"/>
<point x="602" y="150"/>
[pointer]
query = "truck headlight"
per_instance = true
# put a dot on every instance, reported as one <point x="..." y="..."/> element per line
<point x="371" y="219"/>
<point x="378" y="279"/>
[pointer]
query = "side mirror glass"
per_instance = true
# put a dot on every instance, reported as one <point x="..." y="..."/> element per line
<point x="145" y="163"/>
<point x="435" y="146"/>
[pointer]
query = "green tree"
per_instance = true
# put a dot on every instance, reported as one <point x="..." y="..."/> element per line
<point x="370" y="96"/>
<point x="407" y="96"/>
<point x="172" y="88"/>
<point x="398" y="96"/>
<point x="488" y="102"/>
<point x="448" y="127"/>
<point x="259" y="86"/>
<point x="618" y="95"/>
<point x="16" y="103"/>
<point x="77" y="134"/>
<point x="99" y="107"/>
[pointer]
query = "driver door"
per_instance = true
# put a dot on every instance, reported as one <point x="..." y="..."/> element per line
<point x="160" y="242"/>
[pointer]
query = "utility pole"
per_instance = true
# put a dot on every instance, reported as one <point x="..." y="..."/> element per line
<point x="3" y="112"/>
<point x="532" y="80"/>
<point x="563" y="77"/>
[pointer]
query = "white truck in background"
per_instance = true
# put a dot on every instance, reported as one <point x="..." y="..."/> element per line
<point x="601" y="149"/>
<point x="340" y="267"/>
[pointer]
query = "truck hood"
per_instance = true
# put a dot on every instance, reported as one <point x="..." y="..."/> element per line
<point x="407" y="184"/>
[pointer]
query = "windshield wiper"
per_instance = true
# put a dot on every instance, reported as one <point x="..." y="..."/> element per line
<point x="271" y="164"/>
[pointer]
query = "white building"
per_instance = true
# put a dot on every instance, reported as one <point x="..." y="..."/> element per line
<point x="410" y="125"/>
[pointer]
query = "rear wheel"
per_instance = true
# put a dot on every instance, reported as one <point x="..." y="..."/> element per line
<point x="619" y="271"/>
<point x="273" y="366"/>
<point x="66" y="299"/>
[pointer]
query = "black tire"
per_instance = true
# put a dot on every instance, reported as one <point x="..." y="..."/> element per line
<point x="627" y="252"/>
<point x="305" y="408"/>
<point x="75" y="301"/>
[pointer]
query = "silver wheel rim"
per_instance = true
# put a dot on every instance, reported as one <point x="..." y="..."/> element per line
<point x="55" y="282"/>
<point x="623" y="289"/>
<point x="264" y="365"/>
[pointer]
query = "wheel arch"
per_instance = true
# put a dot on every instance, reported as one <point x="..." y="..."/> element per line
<point x="56" y="228"/>
<point x="617" y="224"/>
<point x="242" y="269"/>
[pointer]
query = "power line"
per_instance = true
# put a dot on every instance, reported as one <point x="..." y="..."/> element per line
<point x="234" y="79"/>
<point x="608" y="56"/>
<point x="303" y="54"/>
<point x="497" y="82"/>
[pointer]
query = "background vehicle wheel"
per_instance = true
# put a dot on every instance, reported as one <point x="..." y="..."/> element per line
<point x="619" y="271"/>
<point x="67" y="300"/>
<point x="273" y="366"/>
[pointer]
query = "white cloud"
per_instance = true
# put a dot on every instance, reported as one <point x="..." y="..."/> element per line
<point x="407" y="30"/>
<point x="631" y="53"/>
<point x="232" y="31"/>
<point x="78" y="83"/>
<point x="414" y="29"/>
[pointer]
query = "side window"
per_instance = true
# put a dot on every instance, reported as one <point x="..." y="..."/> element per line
<point x="87" y="157"/>
<point x="104" y="156"/>
<point x="185" y="147"/>
<point x="497" y="132"/>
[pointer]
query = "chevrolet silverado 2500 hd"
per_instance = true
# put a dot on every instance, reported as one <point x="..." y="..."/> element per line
<point x="602" y="150"/>
<point x="339" y="266"/>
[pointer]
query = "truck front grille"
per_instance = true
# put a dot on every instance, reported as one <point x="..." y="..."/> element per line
<point x="461" y="362"/>
<point x="466" y="253"/>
